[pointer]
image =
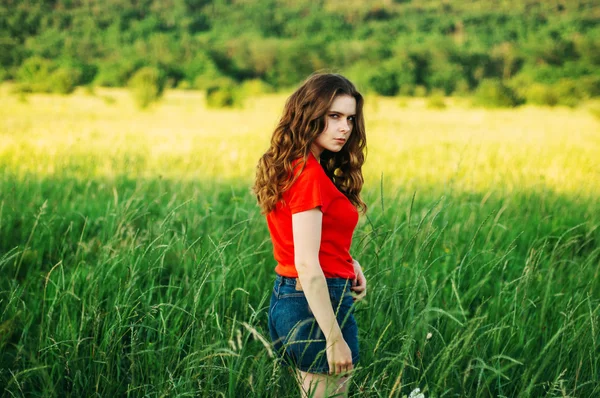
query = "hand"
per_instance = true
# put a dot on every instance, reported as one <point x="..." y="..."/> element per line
<point x="359" y="284"/>
<point x="339" y="356"/>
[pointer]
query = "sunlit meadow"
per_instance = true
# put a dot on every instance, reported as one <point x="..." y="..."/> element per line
<point x="134" y="260"/>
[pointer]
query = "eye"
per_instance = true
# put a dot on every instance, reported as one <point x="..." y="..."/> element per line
<point x="351" y="118"/>
<point x="334" y="115"/>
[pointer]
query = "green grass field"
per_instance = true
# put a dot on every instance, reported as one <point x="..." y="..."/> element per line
<point x="135" y="261"/>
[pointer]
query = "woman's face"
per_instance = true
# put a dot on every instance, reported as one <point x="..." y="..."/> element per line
<point x="339" y="121"/>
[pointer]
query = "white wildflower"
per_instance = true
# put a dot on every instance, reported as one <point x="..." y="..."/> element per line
<point x="416" y="393"/>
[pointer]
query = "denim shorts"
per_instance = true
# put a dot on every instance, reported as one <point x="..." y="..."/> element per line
<point x="294" y="330"/>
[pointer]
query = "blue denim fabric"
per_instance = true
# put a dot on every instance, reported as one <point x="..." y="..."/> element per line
<point x="294" y="330"/>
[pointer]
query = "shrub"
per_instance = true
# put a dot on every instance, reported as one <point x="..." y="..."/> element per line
<point x="147" y="86"/>
<point x="590" y="85"/>
<point x="115" y="74"/>
<point x="595" y="110"/>
<point x="64" y="80"/>
<point x="33" y="76"/>
<point x="493" y="93"/>
<point x="462" y="88"/>
<point x="83" y="72"/>
<point x="520" y="84"/>
<point x="200" y="65"/>
<point x="254" y="87"/>
<point x="184" y="85"/>
<point x="40" y="75"/>
<point x="294" y="60"/>
<point x="420" y="91"/>
<point x="540" y="94"/>
<point x="407" y="90"/>
<point x="436" y="100"/>
<point x="444" y="76"/>
<point x="384" y="81"/>
<point x="223" y="93"/>
<point x="204" y="82"/>
<point x="569" y="92"/>
<point x="358" y="73"/>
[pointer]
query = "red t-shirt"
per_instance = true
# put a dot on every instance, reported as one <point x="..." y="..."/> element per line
<point x="314" y="189"/>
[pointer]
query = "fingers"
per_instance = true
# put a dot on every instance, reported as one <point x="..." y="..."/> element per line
<point x="361" y="279"/>
<point x="340" y="368"/>
<point x="359" y="291"/>
<point x="358" y="288"/>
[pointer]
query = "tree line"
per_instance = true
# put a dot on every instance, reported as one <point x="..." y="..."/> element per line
<point x="538" y="51"/>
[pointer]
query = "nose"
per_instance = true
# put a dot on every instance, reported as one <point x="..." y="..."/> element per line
<point x="345" y="126"/>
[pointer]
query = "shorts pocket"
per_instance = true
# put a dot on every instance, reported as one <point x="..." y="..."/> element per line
<point x="344" y="310"/>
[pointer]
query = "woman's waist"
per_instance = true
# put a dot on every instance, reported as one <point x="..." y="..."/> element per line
<point x="341" y="269"/>
<point x="335" y="282"/>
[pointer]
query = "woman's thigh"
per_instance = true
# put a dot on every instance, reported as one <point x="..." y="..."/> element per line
<point x="320" y="385"/>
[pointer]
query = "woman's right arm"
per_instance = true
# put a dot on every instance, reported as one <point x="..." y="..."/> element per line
<point x="306" y="227"/>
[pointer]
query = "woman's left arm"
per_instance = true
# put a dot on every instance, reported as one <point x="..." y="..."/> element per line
<point x="359" y="284"/>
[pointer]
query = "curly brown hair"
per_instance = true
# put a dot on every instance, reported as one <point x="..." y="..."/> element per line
<point x="302" y="121"/>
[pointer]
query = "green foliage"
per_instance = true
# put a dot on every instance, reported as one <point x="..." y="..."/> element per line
<point x="462" y="88"/>
<point x="445" y="76"/>
<point x="588" y="48"/>
<point x="115" y="73"/>
<point x="384" y="81"/>
<point x="594" y="109"/>
<point x="147" y="85"/>
<point x="388" y="48"/>
<point x="40" y="75"/>
<point x="406" y="90"/>
<point x="33" y="75"/>
<point x="590" y="85"/>
<point x="224" y="93"/>
<point x="294" y="61"/>
<point x="209" y="79"/>
<point x="539" y="94"/>
<point x="64" y="80"/>
<point x="224" y="96"/>
<point x="495" y="94"/>
<point x="85" y="73"/>
<point x="255" y="87"/>
<point x="405" y="72"/>
<point x="358" y="73"/>
<point x="436" y="100"/>
<point x="201" y="66"/>
<point x="420" y="91"/>
<point x="569" y="93"/>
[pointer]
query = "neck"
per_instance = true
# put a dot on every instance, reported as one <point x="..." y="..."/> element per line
<point x="316" y="153"/>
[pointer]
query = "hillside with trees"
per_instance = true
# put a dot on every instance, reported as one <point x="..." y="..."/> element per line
<point x="538" y="51"/>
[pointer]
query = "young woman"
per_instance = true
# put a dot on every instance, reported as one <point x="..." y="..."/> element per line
<point x="308" y="184"/>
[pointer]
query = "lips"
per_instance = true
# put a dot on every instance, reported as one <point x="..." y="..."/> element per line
<point x="340" y="140"/>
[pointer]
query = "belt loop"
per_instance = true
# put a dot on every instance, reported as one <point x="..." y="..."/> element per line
<point x="279" y="285"/>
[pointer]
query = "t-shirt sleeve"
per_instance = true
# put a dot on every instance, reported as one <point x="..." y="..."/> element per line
<point x="307" y="191"/>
